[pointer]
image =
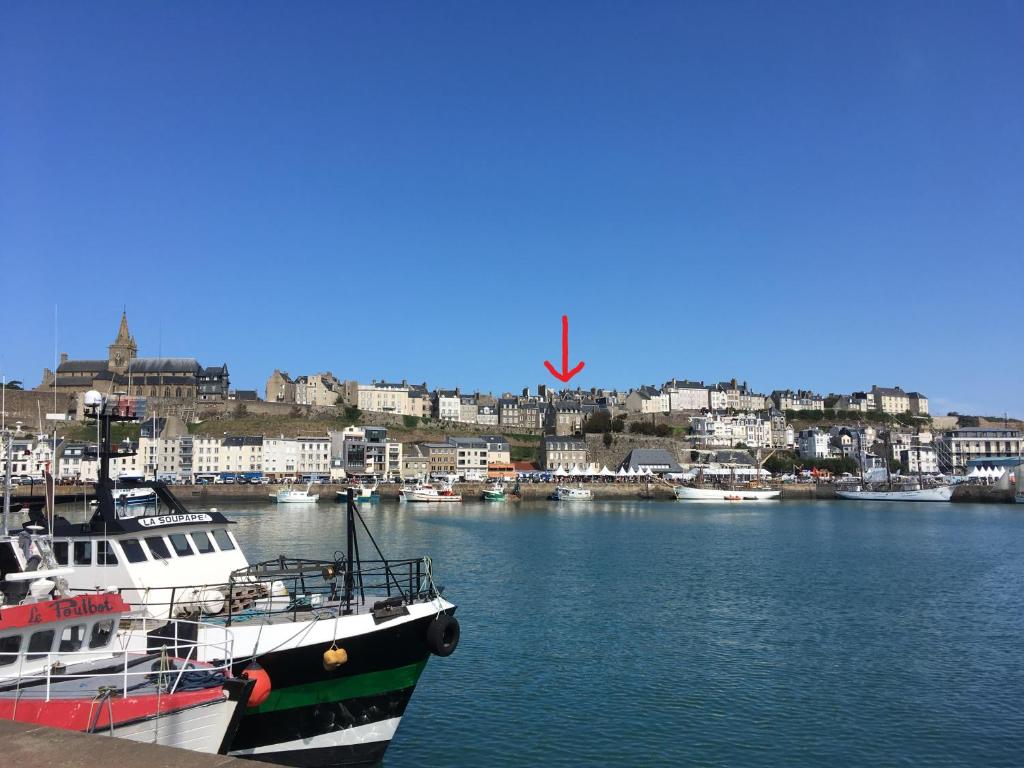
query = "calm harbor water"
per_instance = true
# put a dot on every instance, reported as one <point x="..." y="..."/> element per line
<point x="655" y="633"/>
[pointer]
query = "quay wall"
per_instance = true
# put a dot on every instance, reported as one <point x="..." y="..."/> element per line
<point x="205" y="494"/>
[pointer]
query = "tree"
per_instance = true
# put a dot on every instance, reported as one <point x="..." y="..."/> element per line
<point x="619" y="424"/>
<point x="607" y="439"/>
<point x="410" y="421"/>
<point x="353" y="414"/>
<point x="598" y="422"/>
<point x="663" y="430"/>
<point x="241" y="411"/>
<point x="13" y="384"/>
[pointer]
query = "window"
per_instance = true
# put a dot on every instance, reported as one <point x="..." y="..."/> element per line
<point x="105" y="553"/>
<point x="71" y="638"/>
<point x="180" y="544"/>
<point x="40" y="643"/>
<point x="102" y="632"/>
<point x="9" y="647"/>
<point x="223" y="540"/>
<point x="158" y="547"/>
<point x="202" y="542"/>
<point x="133" y="550"/>
<point x="60" y="552"/>
<point x="83" y="553"/>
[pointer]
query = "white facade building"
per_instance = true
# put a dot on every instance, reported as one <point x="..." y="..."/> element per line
<point x="813" y="444"/>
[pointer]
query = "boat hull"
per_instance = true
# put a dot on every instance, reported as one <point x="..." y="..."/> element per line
<point x="318" y="719"/>
<point x="942" y="493"/>
<point x="427" y="498"/>
<point x="690" y="493"/>
<point x="202" y="722"/>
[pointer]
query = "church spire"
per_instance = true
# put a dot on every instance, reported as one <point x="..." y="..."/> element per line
<point x="123" y="336"/>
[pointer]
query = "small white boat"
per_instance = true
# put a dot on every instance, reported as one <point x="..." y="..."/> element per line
<point x="696" y="493"/>
<point x="566" y="493"/>
<point x="937" y="493"/>
<point x="291" y="495"/>
<point x="428" y="493"/>
<point x="1019" y="497"/>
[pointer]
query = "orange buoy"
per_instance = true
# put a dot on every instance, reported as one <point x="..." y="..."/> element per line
<point x="262" y="689"/>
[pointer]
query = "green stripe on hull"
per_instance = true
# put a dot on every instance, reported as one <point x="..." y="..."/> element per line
<point x="341" y="688"/>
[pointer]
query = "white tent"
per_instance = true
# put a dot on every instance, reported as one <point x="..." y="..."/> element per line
<point x="605" y="472"/>
<point x="559" y="472"/>
<point x="631" y="472"/>
<point x="621" y="472"/>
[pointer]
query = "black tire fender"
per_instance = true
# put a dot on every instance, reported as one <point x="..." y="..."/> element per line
<point x="443" y="635"/>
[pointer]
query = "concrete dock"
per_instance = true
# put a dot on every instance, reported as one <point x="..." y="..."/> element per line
<point x="33" y="746"/>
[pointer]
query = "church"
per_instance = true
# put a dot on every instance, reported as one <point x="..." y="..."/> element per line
<point x="123" y="372"/>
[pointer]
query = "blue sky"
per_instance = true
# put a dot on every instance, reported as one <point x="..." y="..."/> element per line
<point x="817" y="194"/>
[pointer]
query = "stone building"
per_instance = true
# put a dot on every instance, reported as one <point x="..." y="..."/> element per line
<point x="170" y="378"/>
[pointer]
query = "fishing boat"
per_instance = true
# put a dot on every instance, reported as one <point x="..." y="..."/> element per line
<point x="291" y="495"/>
<point x="127" y="498"/>
<point x="60" y="667"/>
<point x="567" y="493"/>
<point x="364" y="493"/>
<point x="699" y="493"/>
<point x="340" y="642"/>
<point x="494" y="492"/>
<point x="426" y="492"/>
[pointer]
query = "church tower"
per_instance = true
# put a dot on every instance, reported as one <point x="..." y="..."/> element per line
<point x="123" y="349"/>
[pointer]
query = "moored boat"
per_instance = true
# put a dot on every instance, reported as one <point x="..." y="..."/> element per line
<point x="341" y="641"/>
<point x="699" y="493"/>
<point x="60" y="666"/>
<point x="363" y="493"/>
<point x="426" y="492"/>
<point x="494" y="492"/>
<point x="291" y="495"/>
<point x="935" y="493"/>
<point x="568" y="493"/>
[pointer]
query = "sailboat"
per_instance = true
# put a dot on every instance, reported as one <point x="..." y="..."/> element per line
<point x="905" y="490"/>
<point x="733" y="493"/>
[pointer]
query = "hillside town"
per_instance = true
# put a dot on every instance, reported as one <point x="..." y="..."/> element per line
<point x="663" y="429"/>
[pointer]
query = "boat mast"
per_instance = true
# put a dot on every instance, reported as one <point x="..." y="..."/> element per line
<point x="8" y="449"/>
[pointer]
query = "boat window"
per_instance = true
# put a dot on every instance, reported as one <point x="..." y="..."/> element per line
<point x="105" y="553"/>
<point x="203" y="543"/>
<point x="83" y="553"/>
<point x="158" y="547"/>
<point x="40" y="643"/>
<point x="9" y="647"/>
<point x="133" y="550"/>
<point x="71" y="638"/>
<point x="180" y="544"/>
<point x="101" y="633"/>
<point x="223" y="540"/>
<point x="60" y="552"/>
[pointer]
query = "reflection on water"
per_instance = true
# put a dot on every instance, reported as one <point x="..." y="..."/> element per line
<point x="656" y="633"/>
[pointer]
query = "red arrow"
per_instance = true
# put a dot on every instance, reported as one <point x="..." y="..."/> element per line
<point x="566" y="374"/>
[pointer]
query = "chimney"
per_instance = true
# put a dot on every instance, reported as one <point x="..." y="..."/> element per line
<point x="63" y="357"/>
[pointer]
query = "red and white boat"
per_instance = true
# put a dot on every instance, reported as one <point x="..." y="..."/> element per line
<point x="428" y="493"/>
<point x="59" y="667"/>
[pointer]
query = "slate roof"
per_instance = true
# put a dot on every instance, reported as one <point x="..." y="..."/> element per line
<point x="82" y="366"/>
<point x="240" y="440"/>
<point x="658" y="458"/>
<point x="164" y="365"/>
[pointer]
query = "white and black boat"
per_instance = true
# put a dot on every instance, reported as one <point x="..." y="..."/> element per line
<point x="341" y="641"/>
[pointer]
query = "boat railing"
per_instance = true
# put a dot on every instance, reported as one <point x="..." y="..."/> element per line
<point x="283" y="586"/>
<point x="171" y="665"/>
